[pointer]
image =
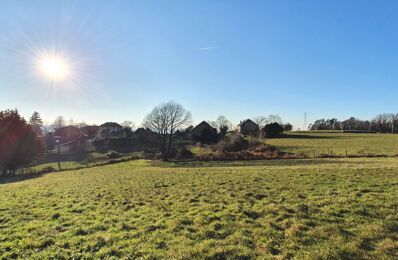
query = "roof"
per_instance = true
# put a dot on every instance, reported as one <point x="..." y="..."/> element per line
<point x="90" y="129"/>
<point x="246" y="121"/>
<point x="200" y="127"/>
<point x="67" y="131"/>
<point x="141" y="131"/>
<point x="111" y="124"/>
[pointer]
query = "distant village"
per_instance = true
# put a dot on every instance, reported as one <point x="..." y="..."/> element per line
<point x="113" y="136"/>
<point x="166" y="133"/>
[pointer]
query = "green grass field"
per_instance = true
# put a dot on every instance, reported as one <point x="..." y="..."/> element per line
<point x="90" y="160"/>
<point x="310" y="143"/>
<point x="314" y="208"/>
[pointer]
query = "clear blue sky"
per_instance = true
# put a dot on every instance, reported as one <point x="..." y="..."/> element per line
<point x="236" y="58"/>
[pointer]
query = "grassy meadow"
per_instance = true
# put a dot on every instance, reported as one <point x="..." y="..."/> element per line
<point x="315" y="143"/>
<point x="90" y="160"/>
<point x="312" y="208"/>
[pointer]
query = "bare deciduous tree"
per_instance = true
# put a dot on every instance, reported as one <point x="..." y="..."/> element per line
<point x="212" y="124"/>
<point x="223" y="125"/>
<point x="274" y="119"/>
<point x="260" y="120"/>
<point x="165" y="119"/>
<point x="128" y="124"/>
<point x="59" y="122"/>
<point x="81" y="125"/>
<point x="223" y="122"/>
<point x="128" y="128"/>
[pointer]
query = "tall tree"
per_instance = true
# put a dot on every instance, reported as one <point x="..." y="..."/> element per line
<point x="287" y="127"/>
<point x="128" y="128"/>
<point x="36" y="120"/>
<point x="274" y="119"/>
<point x="128" y="124"/>
<point x="164" y="120"/>
<point x="19" y="145"/>
<point x="81" y="125"/>
<point x="59" y="122"/>
<point x="261" y="121"/>
<point x="222" y="124"/>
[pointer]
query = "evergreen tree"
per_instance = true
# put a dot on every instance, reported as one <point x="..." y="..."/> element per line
<point x="19" y="145"/>
<point x="35" y="119"/>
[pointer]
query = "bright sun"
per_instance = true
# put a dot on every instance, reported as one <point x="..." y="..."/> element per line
<point x="54" y="67"/>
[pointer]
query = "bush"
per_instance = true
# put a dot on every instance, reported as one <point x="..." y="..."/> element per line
<point x="233" y="143"/>
<point x="184" y="153"/>
<point x="248" y="155"/>
<point x="264" y="148"/>
<point x="287" y="127"/>
<point x="48" y="169"/>
<point x="113" y="155"/>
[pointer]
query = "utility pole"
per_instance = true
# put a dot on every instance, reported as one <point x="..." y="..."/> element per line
<point x="305" y="121"/>
<point x="58" y="154"/>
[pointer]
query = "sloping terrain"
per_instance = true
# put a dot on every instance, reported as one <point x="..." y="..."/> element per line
<point x="296" y="208"/>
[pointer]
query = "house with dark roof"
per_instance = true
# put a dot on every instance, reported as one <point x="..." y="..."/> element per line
<point x="204" y="133"/>
<point x="111" y="126"/>
<point x="68" y="139"/>
<point x="110" y="130"/>
<point x="144" y="132"/>
<point x="248" y="127"/>
<point x="67" y="132"/>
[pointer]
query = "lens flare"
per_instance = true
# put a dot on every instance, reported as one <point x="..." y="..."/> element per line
<point x="54" y="67"/>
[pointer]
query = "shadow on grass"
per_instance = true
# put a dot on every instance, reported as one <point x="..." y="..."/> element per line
<point x="294" y="147"/>
<point x="12" y="179"/>
<point x="273" y="162"/>
<point x="307" y="136"/>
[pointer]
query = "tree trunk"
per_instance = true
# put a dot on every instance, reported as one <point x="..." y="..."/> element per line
<point x="170" y="145"/>
<point x="163" y="147"/>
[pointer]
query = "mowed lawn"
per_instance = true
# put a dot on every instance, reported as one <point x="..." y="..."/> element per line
<point x="324" y="208"/>
<point x="317" y="143"/>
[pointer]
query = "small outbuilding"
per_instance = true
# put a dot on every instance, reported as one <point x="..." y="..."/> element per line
<point x="67" y="132"/>
<point x="204" y="133"/>
<point x="248" y="127"/>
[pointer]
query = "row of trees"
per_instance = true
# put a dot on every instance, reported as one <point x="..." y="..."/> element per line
<point x="383" y="123"/>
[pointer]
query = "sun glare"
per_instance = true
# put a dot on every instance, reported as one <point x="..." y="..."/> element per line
<point x="54" y="67"/>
